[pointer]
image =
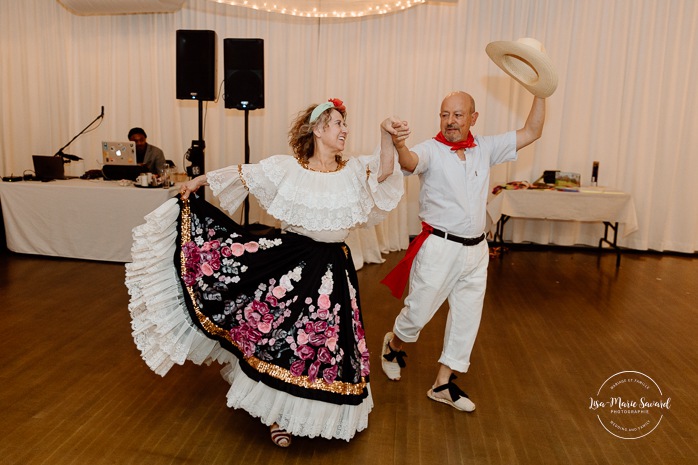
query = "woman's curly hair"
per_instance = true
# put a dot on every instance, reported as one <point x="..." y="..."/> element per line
<point x="300" y="136"/>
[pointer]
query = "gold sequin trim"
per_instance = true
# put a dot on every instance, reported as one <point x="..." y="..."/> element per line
<point x="338" y="387"/>
<point x="368" y="173"/>
<point x="244" y="184"/>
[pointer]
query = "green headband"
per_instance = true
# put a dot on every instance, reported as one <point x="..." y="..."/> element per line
<point x="319" y="109"/>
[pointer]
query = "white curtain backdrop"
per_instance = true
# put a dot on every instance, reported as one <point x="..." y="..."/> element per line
<point x="627" y="94"/>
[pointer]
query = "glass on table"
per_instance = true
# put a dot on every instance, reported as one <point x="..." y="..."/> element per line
<point x="165" y="176"/>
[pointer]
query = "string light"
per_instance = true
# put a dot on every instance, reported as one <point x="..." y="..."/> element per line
<point x="326" y="8"/>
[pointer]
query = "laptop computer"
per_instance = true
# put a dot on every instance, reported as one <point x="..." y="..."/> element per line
<point x="119" y="153"/>
<point x="48" y="168"/>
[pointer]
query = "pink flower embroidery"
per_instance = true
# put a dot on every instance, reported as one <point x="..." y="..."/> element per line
<point x="331" y="331"/>
<point x="206" y="269"/>
<point x="317" y="339"/>
<point x="324" y="301"/>
<point x="331" y="343"/>
<point x="362" y="346"/>
<point x="251" y="247"/>
<point x="254" y="336"/>
<point x="279" y="292"/>
<point x="330" y="374"/>
<point x="254" y="320"/>
<point x="248" y="348"/>
<point x="305" y="352"/>
<point x="320" y="326"/>
<point x="302" y="337"/>
<point x="298" y="367"/>
<point x="259" y="306"/>
<point x="324" y="355"/>
<point x="365" y="366"/>
<point x="237" y="249"/>
<point x="264" y="327"/>
<point x="271" y="300"/>
<point x="313" y="371"/>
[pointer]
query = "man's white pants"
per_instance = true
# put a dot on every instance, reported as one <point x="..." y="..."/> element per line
<point x="443" y="270"/>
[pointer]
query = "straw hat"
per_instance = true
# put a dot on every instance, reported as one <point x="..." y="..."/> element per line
<point x="526" y="61"/>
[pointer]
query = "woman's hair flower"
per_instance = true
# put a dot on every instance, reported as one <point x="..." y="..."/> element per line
<point x="331" y="103"/>
<point x="338" y="104"/>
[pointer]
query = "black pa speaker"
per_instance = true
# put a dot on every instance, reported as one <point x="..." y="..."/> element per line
<point x="196" y="64"/>
<point x="244" y="73"/>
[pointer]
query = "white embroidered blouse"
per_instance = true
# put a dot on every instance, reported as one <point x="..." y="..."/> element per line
<point x="322" y="206"/>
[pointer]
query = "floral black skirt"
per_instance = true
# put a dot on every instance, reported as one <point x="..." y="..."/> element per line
<point x="285" y="305"/>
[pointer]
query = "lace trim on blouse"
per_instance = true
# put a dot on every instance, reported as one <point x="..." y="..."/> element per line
<point x="316" y="201"/>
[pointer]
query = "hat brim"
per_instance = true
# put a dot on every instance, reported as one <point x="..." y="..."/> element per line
<point x="530" y="67"/>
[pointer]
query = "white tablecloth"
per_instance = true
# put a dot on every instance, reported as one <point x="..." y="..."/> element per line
<point x="93" y="220"/>
<point x="76" y="218"/>
<point x="587" y="206"/>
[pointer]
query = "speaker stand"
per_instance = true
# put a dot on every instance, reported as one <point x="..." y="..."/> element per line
<point x="246" y="206"/>
<point x="201" y="134"/>
<point x="195" y="154"/>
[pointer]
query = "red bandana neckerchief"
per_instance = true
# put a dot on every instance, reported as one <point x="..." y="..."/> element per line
<point x="468" y="143"/>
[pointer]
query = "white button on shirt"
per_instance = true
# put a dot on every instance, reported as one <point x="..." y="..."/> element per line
<point x="453" y="194"/>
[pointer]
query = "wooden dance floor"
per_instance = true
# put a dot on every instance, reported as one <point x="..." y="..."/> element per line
<point x="557" y="323"/>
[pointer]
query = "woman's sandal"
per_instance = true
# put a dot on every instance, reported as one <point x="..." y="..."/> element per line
<point x="279" y="436"/>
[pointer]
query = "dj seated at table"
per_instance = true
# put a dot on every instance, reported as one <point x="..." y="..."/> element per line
<point x="147" y="154"/>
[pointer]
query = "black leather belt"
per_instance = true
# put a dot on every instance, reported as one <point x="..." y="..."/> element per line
<point x="460" y="240"/>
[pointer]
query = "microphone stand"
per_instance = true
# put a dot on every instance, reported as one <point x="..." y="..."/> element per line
<point x="246" y="202"/>
<point x="69" y="157"/>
